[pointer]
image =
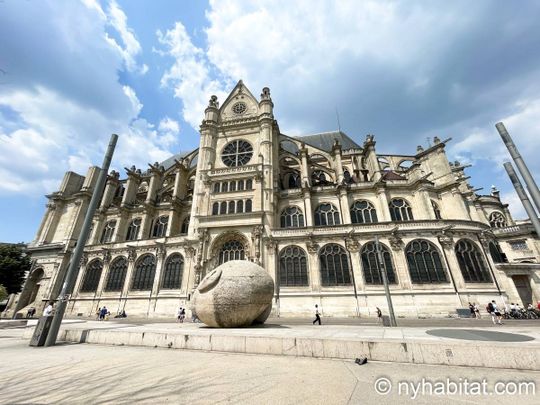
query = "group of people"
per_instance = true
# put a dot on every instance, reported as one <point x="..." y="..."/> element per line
<point x="181" y="315"/>
<point x="103" y="314"/>
<point x="475" y="310"/>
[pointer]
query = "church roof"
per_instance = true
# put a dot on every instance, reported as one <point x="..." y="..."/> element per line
<point x="325" y="140"/>
<point x="169" y="162"/>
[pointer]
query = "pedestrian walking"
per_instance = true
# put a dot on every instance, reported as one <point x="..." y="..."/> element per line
<point x="182" y="315"/>
<point x="179" y="315"/>
<point x="471" y="310"/>
<point x="477" y="311"/>
<point x="48" y="309"/>
<point x="379" y="315"/>
<point x="103" y="313"/>
<point x="317" y="315"/>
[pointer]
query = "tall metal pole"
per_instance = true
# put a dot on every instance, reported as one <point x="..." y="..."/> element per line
<point x="73" y="269"/>
<point x="520" y="163"/>
<point x="523" y="196"/>
<point x="382" y="267"/>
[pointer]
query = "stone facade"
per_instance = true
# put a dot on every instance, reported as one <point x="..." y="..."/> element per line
<point x="307" y="209"/>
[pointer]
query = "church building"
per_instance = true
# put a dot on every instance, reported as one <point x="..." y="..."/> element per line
<point x="308" y="209"/>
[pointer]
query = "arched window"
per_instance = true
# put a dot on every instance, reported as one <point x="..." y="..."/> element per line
<point x="216" y="187"/>
<point x="160" y="227"/>
<point x="237" y="153"/>
<point x="108" y="232"/>
<point x="334" y="264"/>
<point x="248" y="205"/>
<point x="424" y="262"/>
<point x="231" y="207"/>
<point x="400" y="210"/>
<point x="347" y="178"/>
<point x="117" y="275"/>
<point x="326" y="214"/>
<point x="249" y="184"/>
<point x="185" y="225"/>
<point x="174" y="268"/>
<point x="363" y="212"/>
<point x="292" y="217"/>
<point x="370" y="264"/>
<point x="240" y="206"/>
<point x="240" y="185"/>
<point x="495" y="252"/>
<point x="92" y="276"/>
<point x="293" y="267"/>
<point x="497" y="220"/>
<point x="224" y="187"/>
<point x="232" y="186"/>
<point x="223" y="208"/>
<point x="145" y="271"/>
<point x="471" y="263"/>
<point x="436" y="210"/>
<point x="133" y="229"/>
<point x="318" y="177"/>
<point x="231" y="250"/>
<point x="215" y="208"/>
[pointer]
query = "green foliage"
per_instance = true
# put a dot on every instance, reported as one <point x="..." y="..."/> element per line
<point x="3" y="293"/>
<point x="14" y="263"/>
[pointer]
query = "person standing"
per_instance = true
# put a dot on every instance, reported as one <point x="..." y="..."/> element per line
<point x="317" y="315"/>
<point x="102" y="313"/>
<point x="379" y="315"/>
<point x="477" y="311"/>
<point x="182" y="315"/>
<point x="179" y="315"/>
<point x="496" y="312"/>
<point x="48" y="309"/>
<point x="471" y="310"/>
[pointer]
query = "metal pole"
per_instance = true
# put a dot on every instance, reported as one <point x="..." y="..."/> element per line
<point x="523" y="196"/>
<point x="382" y="267"/>
<point x="73" y="270"/>
<point x="520" y="163"/>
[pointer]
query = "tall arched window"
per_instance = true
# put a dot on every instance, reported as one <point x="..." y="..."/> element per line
<point x="294" y="180"/>
<point x="185" y="225"/>
<point x="224" y="187"/>
<point x="231" y="207"/>
<point x="497" y="220"/>
<point x="363" y="212"/>
<point x="400" y="210"/>
<point x="223" y="208"/>
<point x="334" y="265"/>
<point x="292" y="217"/>
<point x="436" y="210"/>
<point x="240" y="206"/>
<point x="133" y="229"/>
<point x="232" y="186"/>
<point x="370" y="264"/>
<point x="248" y="205"/>
<point x="424" y="262"/>
<point x="326" y="214"/>
<point x="160" y="227"/>
<point x="117" y="275"/>
<point x="108" y="232"/>
<point x="240" y="185"/>
<point x="495" y="252"/>
<point x="471" y="263"/>
<point x="249" y="184"/>
<point x="293" y="267"/>
<point x="145" y="271"/>
<point x="92" y="276"/>
<point x="231" y="250"/>
<point x="216" y="187"/>
<point x="215" y="208"/>
<point x="174" y="268"/>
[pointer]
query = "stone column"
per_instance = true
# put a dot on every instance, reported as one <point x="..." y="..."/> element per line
<point x="383" y="213"/>
<point x="80" y="275"/>
<point x="314" y="271"/>
<point x="353" y="246"/>
<point x="156" y="174"/>
<point x="110" y="190"/>
<point x="132" y="184"/>
<point x="400" y="262"/>
<point x="104" y="272"/>
<point x="160" y="255"/>
<point x="425" y="203"/>
<point x="454" y="272"/>
<point x="344" y="205"/>
<point x="305" y="175"/>
<point x="132" y="257"/>
<point x="338" y="166"/>
<point x="308" y="211"/>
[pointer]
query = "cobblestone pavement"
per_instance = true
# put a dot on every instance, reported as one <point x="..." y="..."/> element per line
<point x="96" y="374"/>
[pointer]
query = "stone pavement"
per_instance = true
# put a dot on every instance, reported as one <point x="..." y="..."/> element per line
<point x="103" y="374"/>
<point x="516" y="346"/>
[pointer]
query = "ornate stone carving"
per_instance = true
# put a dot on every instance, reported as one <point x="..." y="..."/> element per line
<point x="396" y="243"/>
<point x="84" y="259"/>
<point x="446" y="241"/>
<point x="132" y="255"/>
<point x="271" y="245"/>
<point x="213" y="102"/>
<point x="106" y="255"/>
<point x="161" y="251"/>
<point x="352" y="244"/>
<point x="312" y="246"/>
<point x="190" y="252"/>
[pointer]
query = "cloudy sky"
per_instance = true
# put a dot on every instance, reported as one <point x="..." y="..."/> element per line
<point x="72" y="72"/>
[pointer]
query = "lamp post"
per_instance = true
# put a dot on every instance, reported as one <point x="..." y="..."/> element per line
<point x="73" y="270"/>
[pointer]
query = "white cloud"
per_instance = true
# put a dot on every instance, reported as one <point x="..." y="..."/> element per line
<point x="189" y="74"/>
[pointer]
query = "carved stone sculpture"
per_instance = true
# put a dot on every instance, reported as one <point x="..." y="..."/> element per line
<point x="235" y="294"/>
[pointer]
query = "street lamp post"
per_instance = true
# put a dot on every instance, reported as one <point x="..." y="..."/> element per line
<point x="384" y="276"/>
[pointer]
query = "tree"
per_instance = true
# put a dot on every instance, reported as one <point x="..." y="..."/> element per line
<point x="3" y="293"/>
<point x="14" y="263"/>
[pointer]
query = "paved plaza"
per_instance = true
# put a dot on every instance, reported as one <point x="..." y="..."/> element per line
<point x="98" y="374"/>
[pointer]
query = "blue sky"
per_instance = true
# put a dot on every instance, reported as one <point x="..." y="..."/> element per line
<point x="75" y="71"/>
